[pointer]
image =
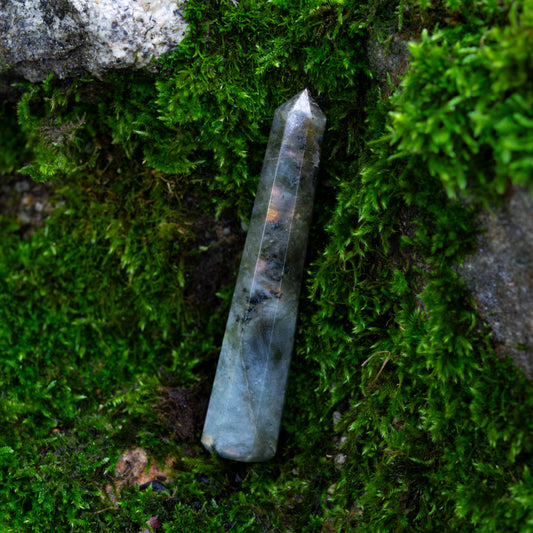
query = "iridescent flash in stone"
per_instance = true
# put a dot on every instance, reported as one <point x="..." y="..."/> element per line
<point x="244" y="414"/>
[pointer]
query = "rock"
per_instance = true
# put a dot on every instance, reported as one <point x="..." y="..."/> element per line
<point x="340" y="459"/>
<point x="28" y="202"/>
<point x="156" y="486"/>
<point x="388" y="61"/>
<point x="153" y="523"/>
<point x="70" y="37"/>
<point x="500" y="275"/>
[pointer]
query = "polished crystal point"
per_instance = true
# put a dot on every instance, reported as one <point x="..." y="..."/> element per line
<point x="244" y="414"/>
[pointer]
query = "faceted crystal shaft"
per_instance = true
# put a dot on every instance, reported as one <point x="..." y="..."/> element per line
<point x="244" y="414"/>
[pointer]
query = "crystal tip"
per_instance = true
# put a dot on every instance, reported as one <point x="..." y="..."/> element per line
<point x="303" y="103"/>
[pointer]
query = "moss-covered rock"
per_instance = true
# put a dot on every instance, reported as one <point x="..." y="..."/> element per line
<point x="399" y="414"/>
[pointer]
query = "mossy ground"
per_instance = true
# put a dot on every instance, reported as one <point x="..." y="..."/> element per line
<point x="399" y="416"/>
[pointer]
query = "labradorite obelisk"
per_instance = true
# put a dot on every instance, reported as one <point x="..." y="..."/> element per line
<point x="244" y="414"/>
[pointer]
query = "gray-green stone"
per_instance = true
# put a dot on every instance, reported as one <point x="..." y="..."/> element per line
<point x="244" y="414"/>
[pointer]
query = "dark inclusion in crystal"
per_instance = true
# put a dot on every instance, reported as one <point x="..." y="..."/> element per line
<point x="244" y="414"/>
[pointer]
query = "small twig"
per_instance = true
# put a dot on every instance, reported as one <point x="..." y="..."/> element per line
<point x="382" y="366"/>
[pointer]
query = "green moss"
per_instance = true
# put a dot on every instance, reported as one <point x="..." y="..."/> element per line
<point x="466" y="108"/>
<point x="428" y="445"/>
<point x="126" y="288"/>
<point x="11" y="138"/>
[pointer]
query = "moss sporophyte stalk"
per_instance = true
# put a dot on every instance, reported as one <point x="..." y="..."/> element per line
<point x="244" y="414"/>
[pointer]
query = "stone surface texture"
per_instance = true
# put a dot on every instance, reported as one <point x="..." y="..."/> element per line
<point x="245" y="408"/>
<point x="500" y="275"/>
<point x="388" y="62"/>
<point x="69" y="37"/>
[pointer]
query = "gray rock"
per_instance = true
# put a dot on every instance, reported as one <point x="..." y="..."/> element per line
<point x="388" y="61"/>
<point x="500" y="275"/>
<point x="68" y="37"/>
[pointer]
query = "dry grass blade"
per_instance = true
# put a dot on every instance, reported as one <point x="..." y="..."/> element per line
<point x="382" y="366"/>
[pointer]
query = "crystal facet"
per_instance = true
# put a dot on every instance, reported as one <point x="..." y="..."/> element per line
<point x="244" y="414"/>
